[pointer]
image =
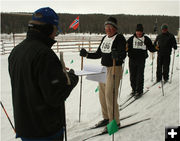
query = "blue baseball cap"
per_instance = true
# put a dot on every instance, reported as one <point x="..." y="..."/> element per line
<point x="46" y="15"/>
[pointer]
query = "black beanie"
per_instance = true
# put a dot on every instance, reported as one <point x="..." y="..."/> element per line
<point x="139" y="27"/>
<point x="112" y="21"/>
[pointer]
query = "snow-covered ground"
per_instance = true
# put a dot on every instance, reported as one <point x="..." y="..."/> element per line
<point x="163" y="110"/>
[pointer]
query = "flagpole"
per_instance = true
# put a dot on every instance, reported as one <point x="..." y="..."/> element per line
<point x="79" y="26"/>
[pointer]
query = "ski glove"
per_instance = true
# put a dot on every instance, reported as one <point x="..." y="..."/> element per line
<point x="73" y="78"/>
<point x="71" y="71"/>
<point x="83" y="52"/>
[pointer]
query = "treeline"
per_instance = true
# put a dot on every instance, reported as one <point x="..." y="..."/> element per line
<point x="91" y="23"/>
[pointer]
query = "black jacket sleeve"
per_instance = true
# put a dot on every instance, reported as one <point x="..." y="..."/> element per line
<point x="156" y="42"/>
<point x="129" y="45"/>
<point x="173" y="42"/>
<point x="121" y="46"/>
<point x="98" y="53"/>
<point x="52" y="80"/>
<point x="149" y="44"/>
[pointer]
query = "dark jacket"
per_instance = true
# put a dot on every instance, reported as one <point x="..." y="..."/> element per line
<point x="39" y="87"/>
<point x="119" y="44"/>
<point x="165" y="42"/>
<point x="139" y="53"/>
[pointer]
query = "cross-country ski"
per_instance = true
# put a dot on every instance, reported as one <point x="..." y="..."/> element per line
<point x="131" y="101"/>
<point x="129" y="97"/>
<point x="121" y="119"/>
<point x="122" y="127"/>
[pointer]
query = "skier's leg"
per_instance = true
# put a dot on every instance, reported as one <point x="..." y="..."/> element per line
<point x="140" y="76"/>
<point x="159" y="69"/>
<point x="109" y="92"/>
<point x="166" y="64"/>
<point x="133" y="74"/>
<point x="103" y="100"/>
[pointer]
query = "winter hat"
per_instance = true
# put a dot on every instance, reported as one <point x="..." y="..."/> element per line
<point x="112" y="21"/>
<point x="139" y="27"/>
<point x="164" y="26"/>
<point x="46" y="15"/>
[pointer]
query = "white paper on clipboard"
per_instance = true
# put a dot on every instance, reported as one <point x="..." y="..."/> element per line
<point x="94" y="73"/>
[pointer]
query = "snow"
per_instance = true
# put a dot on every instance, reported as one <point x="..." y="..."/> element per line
<point x="163" y="110"/>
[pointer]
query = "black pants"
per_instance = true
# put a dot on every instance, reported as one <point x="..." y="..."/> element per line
<point x="136" y="68"/>
<point x="163" y="62"/>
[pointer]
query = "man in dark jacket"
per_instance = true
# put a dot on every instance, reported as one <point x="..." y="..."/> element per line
<point x="112" y="46"/>
<point x="39" y="84"/>
<point x="137" y="46"/>
<point x="164" y="44"/>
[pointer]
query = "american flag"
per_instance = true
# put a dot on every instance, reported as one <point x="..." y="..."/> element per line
<point x="75" y="23"/>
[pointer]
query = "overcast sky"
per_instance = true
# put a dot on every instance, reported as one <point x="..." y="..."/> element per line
<point x="135" y="7"/>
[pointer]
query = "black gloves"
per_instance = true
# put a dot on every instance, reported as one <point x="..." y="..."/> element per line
<point x="73" y="78"/>
<point x="71" y="71"/>
<point x="83" y="52"/>
<point x="116" y="54"/>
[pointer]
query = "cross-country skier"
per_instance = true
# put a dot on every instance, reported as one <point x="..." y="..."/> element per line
<point x="164" y="43"/>
<point x="112" y="46"/>
<point x="137" y="46"/>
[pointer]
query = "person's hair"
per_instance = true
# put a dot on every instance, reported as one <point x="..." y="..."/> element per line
<point x="44" y="28"/>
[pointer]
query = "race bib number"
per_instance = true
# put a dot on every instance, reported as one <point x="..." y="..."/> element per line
<point x="138" y="43"/>
<point x="107" y="44"/>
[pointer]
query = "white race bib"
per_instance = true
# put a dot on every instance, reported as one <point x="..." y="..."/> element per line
<point x="138" y="43"/>
<point x="107" y="44"/>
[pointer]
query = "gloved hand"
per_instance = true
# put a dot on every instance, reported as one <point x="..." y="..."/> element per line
<point x="83" y="52"/>
<point x="73" y="78"/>
<point x="116" y="54"/>
<point x="71" y="71"/>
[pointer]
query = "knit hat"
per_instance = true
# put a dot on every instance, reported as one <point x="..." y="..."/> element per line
<point x="164" y="26"/>
<point x="112" y="21"/>
<point x="46" y="15"/>
<point x="139" y="27"/>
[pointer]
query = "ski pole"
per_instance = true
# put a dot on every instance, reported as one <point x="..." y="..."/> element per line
<point x="156" y="33"/>
<point x="121" y="81"/>
<point x="152" y="67"/>
<point x="114" y="63"/>
<point x="8" y="117"/>
<point x="65" y="130"/>
<point x="80" y="90"/>
<point x="162" y="85"/>
<point x="172" y="67"/>
<point x="69" y="83"/>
